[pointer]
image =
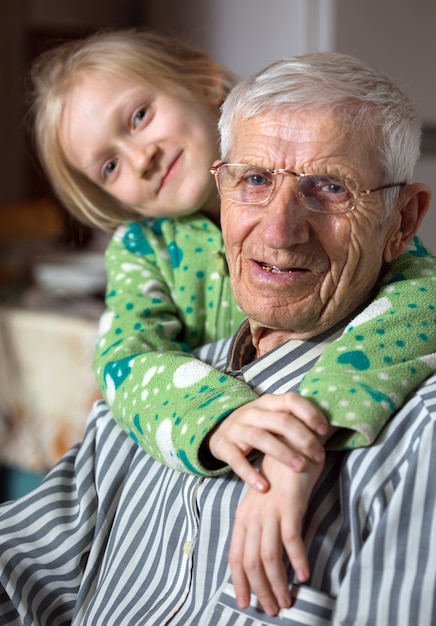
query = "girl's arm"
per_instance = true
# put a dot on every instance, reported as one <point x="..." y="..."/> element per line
<point x="167" y="293"/>
<point x="363" y="377"/>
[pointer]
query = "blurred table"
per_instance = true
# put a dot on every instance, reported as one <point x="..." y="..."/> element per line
<point x="46" y="384"/>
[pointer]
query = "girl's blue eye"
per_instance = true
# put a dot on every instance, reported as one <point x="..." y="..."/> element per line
<point x="109" y="168"/>
<point x="139" y="116"/>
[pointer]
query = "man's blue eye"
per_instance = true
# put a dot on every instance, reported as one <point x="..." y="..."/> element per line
<point x="257" y="180"/>
<point x="334" y="188"/>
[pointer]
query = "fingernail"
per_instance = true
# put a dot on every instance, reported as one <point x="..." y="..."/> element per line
<point x="269" y="610"/>
<point x="242" y="603"/>
<point x="284" y="603"/>
<point x="302" y="575"/>
<point x="297" y="463"/>
<point x="260" y="485"/>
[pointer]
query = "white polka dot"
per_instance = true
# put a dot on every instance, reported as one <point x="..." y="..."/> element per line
<point x="190" y="373"/>
<point x="166" y="447"/>
<point x="148" y="375"/>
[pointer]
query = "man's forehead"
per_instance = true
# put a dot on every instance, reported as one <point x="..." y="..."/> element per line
<point x="278" y="130"/>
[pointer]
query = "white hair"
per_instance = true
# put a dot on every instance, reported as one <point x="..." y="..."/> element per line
<point x="352" y="91"/>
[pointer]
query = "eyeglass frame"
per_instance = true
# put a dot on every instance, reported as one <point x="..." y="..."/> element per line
<point x="215" y="169"/>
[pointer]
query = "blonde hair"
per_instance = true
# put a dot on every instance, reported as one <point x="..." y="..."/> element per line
<point x="139" y="56"/>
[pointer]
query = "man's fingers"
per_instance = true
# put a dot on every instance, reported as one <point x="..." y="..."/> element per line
<point x="253" y="570"/>
<point x="239" y="579"/>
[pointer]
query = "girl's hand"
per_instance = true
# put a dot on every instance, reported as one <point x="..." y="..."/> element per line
<point x="267" y="525"/>
<point x="287" y="427"/>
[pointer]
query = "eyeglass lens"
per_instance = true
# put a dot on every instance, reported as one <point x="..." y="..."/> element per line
<point x="250" y="185"/>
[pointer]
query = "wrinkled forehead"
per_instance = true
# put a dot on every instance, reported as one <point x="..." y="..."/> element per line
<point x="280" y="133"/>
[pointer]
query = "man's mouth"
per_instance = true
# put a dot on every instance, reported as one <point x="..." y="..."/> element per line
<point x="273" y="269"/>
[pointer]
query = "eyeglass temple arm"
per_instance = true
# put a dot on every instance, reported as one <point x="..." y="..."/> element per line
<point x="402" y="184"/>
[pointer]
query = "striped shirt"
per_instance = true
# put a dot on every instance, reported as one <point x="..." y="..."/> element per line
<point x="113" y="538"/>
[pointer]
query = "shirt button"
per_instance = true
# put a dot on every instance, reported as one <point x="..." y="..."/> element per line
<point x="187" y="547"/>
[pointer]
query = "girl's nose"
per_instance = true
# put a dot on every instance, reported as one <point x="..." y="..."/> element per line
<point x="143" y="159"/>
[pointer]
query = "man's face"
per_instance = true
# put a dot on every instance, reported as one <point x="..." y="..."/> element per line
<point x="292" y="269"/>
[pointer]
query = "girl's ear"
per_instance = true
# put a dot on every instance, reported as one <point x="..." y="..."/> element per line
<point x="414" y="202"/>
<point x="215" y="91"/>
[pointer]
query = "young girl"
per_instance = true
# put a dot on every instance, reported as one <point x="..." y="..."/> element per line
<point x="126" y="129"/>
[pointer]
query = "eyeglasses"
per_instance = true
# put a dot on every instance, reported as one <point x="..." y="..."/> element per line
<point x="248" y="184"/>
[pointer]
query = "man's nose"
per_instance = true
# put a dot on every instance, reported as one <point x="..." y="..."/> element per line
<point x="284" y="222"/>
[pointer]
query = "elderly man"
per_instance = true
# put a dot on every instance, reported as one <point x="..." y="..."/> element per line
<point x="312" y="210"/>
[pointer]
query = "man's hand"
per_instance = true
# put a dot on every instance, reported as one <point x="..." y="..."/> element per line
<point x="265" y="525"/>
<point x="285" y="426"/>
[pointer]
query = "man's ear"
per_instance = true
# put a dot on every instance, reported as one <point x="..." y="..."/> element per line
<point x="413" y="205"/>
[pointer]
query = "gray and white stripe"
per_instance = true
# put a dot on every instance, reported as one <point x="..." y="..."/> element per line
<point x="112" y="538"/>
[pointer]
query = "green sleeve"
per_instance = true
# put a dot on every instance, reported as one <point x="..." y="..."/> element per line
<point x="168" y="292"/>
<point x="364" y="376"/>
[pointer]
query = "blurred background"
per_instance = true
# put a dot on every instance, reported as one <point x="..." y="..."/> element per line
<point x="51" y="267"/>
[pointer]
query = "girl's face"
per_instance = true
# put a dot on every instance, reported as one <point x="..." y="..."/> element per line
<point x="149" y="149"/>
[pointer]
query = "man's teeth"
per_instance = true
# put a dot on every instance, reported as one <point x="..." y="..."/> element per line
<point x="273" y="269"/>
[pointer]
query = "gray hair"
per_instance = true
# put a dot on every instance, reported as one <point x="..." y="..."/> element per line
<point x="347" y="88"/>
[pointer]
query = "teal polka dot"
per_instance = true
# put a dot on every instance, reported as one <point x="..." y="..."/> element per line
<point x="198" y="250"/>
<point x="138" y="326"/>
<point x="189" y="309"/>
<point x="380" y="331"/>
<point x="147" y="312"/>
<point x="400" y="343"/>
<point x="412" y="306"/>
<point x="360" y="337"/>
<point x="136" y="421"/>
<point x="423" y="337"/>
<point x="118" y="331"/>
<point x="129" y="306"/>
<point x="200" y="274"/>
<point x="157" y="300"/>
<point x="176" y="254"/>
